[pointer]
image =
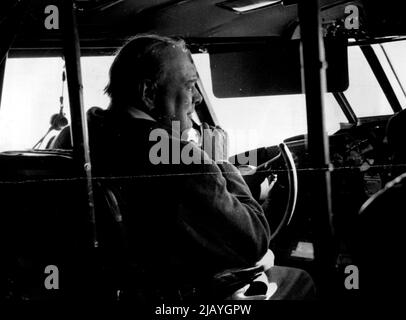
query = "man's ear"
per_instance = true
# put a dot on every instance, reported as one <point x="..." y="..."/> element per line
<point x="148" y="93"/>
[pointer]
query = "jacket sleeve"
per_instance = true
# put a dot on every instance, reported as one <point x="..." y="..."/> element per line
<point x="220" y="213"/>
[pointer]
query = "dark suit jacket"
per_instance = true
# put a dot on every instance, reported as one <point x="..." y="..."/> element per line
<point x="190" y="220"/>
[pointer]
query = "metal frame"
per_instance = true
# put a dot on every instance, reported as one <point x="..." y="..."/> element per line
<point x="314" y="75"/>
<point x="381" y="76"/>
<point x="388" y="59"/>
<point x="364" y="42"/>
<point x="2" y="72"/>
<point x="346" y="107"/>
<point x="79" y="130"/>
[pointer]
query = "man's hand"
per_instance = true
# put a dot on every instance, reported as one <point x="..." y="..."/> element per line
<point x="215" y="142"/>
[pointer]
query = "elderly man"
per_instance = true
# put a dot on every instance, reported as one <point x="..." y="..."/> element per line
<point x="193" y="227"/>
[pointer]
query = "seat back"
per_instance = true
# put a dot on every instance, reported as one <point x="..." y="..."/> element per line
<point x="44" y="213"/>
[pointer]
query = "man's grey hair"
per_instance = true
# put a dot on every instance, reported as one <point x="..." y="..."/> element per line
<point x="138" y="60"/>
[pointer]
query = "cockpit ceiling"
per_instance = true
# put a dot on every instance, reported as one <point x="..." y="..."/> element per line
<point x="107" y="23"/>
<point x="120" y="19"/>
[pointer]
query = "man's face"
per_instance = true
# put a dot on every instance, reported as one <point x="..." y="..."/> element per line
<point x="177" y="95"/>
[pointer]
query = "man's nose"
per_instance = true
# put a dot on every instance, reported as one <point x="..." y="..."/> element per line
<point x="197" y="97"/>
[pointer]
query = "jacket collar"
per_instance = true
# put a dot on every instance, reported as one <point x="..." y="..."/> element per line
<point x="139" y="114"/>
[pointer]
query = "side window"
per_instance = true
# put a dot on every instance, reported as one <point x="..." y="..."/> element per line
<point x="364" y="93"/>
<point x="31" y="92"/>
<point x="392" y="57"/>
<point x="95" y="75"/>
